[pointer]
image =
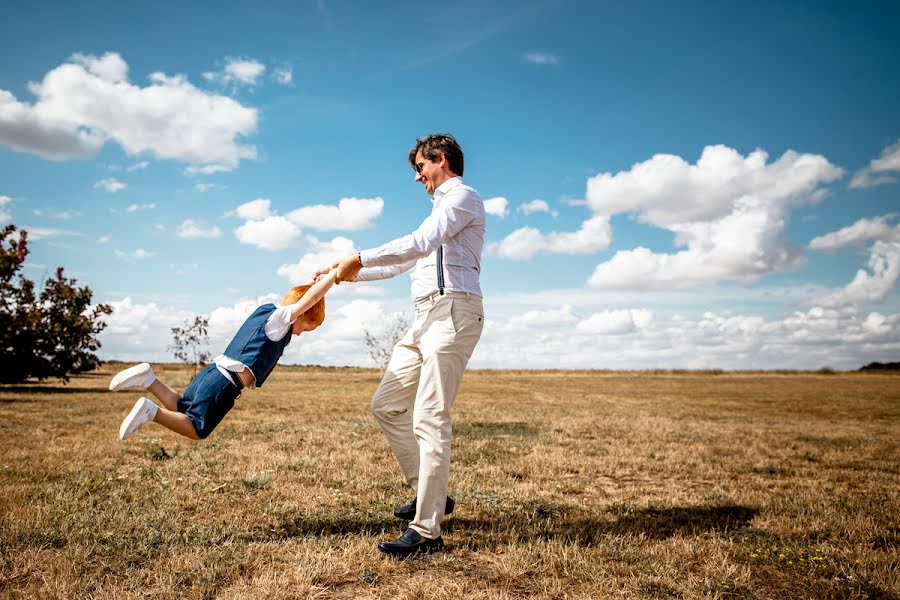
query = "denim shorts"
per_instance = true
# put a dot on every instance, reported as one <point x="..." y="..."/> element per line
<point x="208" y="399"/>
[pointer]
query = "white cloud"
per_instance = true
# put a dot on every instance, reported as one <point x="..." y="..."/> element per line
<point x="138" y="166"/>
<point x="616" y="322"/>
<point x="520" y="334"/>
<point x="139" y="254"/>
<point x="321" y="254"/>
<point x="541" y="58"/>
<point x="283" y="75"/>
<point x="189" y="229"/>
<point x="111" y="185"/>
<point x="883" y="169"/>
<point x="237" y="71"/>
<point x="205" y="187"/>
<point x="103" y="239"/>
<point x="884" y="262"/>
<point x="136" y="207"/>
<point x="862" y="231"/>
<point x="64" y="215"/>
<point x="497" y="207"/>
<point x="542" y="320"/>
<point x="271" y="233"/>
<point x="351" y="214"/>
<point x="523" y="244"/>
<point x="537" y="206"/>
<point x="729" y="212"/>
<point x="255" y="210"/>
<point x="636" y="338"/>
<point x="206" y="170"/>
<point x="88" y="101"/>
<point x="40" y="233"/>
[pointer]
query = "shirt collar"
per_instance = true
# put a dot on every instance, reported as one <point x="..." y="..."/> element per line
<point x="446" y="187"/>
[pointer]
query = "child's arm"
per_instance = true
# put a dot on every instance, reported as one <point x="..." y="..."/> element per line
<point x="312" y="295"/>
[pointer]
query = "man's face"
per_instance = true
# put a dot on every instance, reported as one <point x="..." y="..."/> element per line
<point x="429" y="173"/>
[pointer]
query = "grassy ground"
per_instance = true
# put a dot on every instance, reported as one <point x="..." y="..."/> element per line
<point x="568" y="484"/>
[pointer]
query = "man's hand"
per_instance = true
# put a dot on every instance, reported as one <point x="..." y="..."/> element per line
<point x="347" y="269"/>
<point x="324" y="271"/>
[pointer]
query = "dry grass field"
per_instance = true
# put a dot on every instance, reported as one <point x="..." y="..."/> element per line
<point x="568" y="485"/>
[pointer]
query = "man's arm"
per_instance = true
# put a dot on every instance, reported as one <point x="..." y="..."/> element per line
<point x="312" y="295"/>
<point x="457" y="211"/>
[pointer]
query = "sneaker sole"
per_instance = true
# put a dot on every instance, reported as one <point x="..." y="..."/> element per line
<point x="122" y="379"/>
<point x="124" y="432"/>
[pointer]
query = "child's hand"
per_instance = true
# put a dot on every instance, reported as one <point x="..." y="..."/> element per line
<point x="318" y="274"/>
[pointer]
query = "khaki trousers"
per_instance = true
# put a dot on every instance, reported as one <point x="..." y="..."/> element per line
<point x="412" y="403"/>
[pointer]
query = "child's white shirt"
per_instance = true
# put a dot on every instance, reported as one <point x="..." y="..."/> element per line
<point x="277" y="325"/>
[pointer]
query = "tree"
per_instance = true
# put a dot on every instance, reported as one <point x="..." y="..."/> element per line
<point x="50" y="336"/>
<point x="381" y="343"/>
<point x="189" y="342"/>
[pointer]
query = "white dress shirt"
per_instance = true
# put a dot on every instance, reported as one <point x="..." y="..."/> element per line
<point x="456" y="221"/>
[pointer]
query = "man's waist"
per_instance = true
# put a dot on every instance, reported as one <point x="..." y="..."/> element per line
<point x="436" y="294"/>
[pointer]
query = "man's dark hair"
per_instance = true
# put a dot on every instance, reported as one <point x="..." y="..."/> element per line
<point x="434" y="143"/>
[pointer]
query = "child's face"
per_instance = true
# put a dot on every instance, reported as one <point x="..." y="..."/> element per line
<point x="301" y="325"/>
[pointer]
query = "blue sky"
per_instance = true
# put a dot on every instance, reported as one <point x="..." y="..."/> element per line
<point x="669" y="184"/>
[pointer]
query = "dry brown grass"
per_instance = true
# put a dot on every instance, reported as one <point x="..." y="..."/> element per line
<point x="568" y="485"/>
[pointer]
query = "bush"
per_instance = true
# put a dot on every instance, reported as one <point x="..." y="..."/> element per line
<point x="48" y="336"/>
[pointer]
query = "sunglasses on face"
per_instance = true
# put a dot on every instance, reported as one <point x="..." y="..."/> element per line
<point x="418" y="167"/>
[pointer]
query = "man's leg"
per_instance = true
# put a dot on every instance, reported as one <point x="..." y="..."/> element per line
<point x="392" y="406"/>
<point x="447" y="343"/>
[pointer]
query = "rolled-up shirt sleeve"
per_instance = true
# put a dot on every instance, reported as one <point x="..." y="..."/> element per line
<point x="456" y="210"/>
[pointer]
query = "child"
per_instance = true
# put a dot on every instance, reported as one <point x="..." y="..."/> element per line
<point x="247" y="362"/>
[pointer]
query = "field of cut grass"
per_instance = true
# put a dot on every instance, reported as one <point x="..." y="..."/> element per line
<point x="568" y="485"/>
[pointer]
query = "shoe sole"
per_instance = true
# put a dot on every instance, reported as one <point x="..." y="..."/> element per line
<point x="122" y="379"/>
<point x="418" y="550"/>
<point x="124" y="432"/>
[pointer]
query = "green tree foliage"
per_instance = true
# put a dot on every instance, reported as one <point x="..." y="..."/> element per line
<point x="51" y="335"/>
<point x="189" y="342"/>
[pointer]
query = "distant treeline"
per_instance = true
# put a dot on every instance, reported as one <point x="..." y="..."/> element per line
<point x="877" y="366"/>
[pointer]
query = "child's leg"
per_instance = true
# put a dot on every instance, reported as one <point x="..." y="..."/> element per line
<point x="166" y="394"/>
<point x="175" y="421"/>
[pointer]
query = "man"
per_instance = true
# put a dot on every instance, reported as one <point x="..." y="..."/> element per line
<point x="426" y="367"/>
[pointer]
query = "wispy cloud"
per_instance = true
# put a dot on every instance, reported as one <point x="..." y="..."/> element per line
<point x="881" y="170"/>
<point x="541" y="58"/>
<point x="111" y="185"/>
<point x="136" y="207"/>
<point x="139" y="254"/>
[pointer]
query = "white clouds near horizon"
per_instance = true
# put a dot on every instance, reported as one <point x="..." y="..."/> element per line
<point x="88" y="101"/>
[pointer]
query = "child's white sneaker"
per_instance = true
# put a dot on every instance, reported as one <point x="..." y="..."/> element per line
<point x="136" y="377"/>
<point x="143" y="412"/>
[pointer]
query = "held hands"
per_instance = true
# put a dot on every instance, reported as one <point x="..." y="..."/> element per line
<point x="347" y="269"/>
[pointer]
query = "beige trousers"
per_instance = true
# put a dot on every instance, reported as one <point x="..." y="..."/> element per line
<point x="412" y="403"/>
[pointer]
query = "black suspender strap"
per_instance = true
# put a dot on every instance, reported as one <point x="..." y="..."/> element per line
<point x="440" y="268"/>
